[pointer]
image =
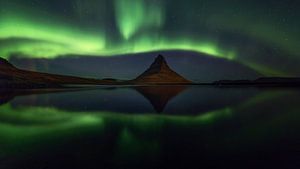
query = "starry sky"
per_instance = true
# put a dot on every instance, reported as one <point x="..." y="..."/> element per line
<point x="260" y="35"/>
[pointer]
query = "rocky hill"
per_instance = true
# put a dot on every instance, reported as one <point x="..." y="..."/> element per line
<point x="159" y="72"/>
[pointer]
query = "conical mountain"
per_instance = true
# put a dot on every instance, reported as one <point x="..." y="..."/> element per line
<point x="160" y="73"/>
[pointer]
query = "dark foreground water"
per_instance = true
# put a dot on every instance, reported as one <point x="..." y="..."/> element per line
<point x="150" y="127"/>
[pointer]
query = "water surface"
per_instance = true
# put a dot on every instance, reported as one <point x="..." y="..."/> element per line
<point x="150" y="127"/>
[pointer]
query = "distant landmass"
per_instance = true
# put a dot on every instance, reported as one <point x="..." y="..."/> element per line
<point x="261" y="82"/>
<point x="159" y="73"/>
<point x="12" y="77"/>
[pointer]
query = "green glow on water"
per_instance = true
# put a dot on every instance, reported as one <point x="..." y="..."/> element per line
<point x="20" y="125"/>
<point x="130" y="146"/>
<point x="212" y="116"/>
<point x="31" y="125"/>
<point x="26" y="129"/>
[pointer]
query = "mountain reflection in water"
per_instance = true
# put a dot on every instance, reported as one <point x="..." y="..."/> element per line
<point x="184" y="100"/>
<point x="148" y="126"/>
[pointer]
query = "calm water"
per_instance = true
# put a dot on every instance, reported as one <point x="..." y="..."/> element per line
<point x="150" y="127"/>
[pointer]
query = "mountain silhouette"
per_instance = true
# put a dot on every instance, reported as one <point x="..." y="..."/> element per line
<point x="160" y="73"/>
<point x="12" y="77"/>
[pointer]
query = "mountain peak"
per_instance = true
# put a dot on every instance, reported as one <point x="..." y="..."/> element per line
<point x="160" y="59"/>
<point x="159" y="63"/>
<point x="160" y="72"/>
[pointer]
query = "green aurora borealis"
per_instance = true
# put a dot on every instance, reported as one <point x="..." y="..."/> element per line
<point x="110" y="126"/>
<point x="261" y="35"/>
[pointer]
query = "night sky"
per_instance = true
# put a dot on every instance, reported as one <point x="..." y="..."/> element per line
<point x="260" y="35"/>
